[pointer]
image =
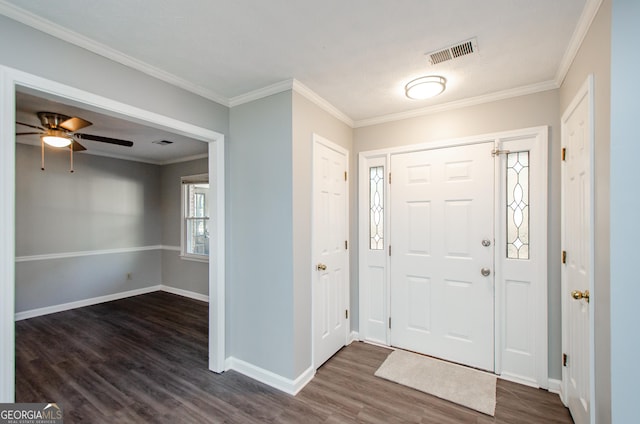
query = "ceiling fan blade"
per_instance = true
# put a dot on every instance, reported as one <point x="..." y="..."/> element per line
<point x="74" y="124"/>
<point x="77" y="147"/>
<point x="29" y="133"/>
<point x="119" y="142"/>
<point x="29" y="125"/>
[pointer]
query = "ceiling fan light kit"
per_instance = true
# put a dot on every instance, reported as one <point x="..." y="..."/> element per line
<point x="59" y="131"/>
<point x="425" y="87"/>
<point x="56" y="138"/>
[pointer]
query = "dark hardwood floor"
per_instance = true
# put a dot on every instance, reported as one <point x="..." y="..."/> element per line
<point x="144" y="360"/>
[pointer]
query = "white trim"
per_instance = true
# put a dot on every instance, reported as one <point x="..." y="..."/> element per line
<point x="32" y="313"/>
<point x="185" y="293"/>
<point x="171" y="248"/>
<point x="269" y="378"/>
<point x="261" y="93"/>
<point x="310" y="95"/>
<point x="7" y="241"/>
<point x="459" y="104"/>
<point x="77" y="254"/>
<point x="82" y="303"/>
<point x="354" y="336"/>
<point x="518" y="379"/>
<point x="298" y="87"/>
<point x="217" y="251"/>
<point x="12" y="78"/>
<point x="65" y="34"/>
<point x="184" y="159"/>
<point x="555" y="386"/>
<point x="584" y="23"/>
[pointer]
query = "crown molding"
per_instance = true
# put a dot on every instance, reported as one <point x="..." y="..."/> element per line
<point x="20" y="15"/>
<point x="184" y="159"/>
<point x="310" y="95"/>
<point x="584" y="23"/>
<point x="34" y="21"/>
<point x="472" y="101"/>
<point x="298" y="87"/>
<point x="261" y="93"/>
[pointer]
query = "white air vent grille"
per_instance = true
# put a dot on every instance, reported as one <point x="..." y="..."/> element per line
<point x="461" y="49"/>
<point x="162" y="142"/>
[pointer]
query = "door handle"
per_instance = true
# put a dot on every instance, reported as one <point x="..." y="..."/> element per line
<point x="485" y="272"/>
<point x="577" y="294"/>
<point x="321" y="267"/>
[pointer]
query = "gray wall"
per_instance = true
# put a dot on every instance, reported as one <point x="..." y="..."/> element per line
<point x="105" y="204"/>
<point x="510" y="114"/>
<point x="177" y="272"/>
<point x="260" y="235"/>
<point x="594" y="58"/>
<point x="308" y="119"/>
<point x="625" y="203"/>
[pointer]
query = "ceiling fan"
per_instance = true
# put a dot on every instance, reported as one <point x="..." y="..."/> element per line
<point x="59" y="130"/>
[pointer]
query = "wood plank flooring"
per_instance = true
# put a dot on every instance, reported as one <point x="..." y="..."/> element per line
<point x="144" y="360"/>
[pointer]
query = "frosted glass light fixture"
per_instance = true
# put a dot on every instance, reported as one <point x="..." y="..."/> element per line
<point x="425" y="87"/>
<point x="56" y="138"/>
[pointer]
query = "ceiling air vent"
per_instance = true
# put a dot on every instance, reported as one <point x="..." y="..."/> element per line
<point x="162" y="142"/>
<point x="461" y="49"/>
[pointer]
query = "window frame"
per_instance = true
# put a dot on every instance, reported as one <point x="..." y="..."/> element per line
<point x="185" y="182"/>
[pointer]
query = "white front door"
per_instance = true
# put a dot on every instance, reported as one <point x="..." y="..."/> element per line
<point x="330" y="254"/>
<point x="442" y="277"/>
<point x="577" y="243"/>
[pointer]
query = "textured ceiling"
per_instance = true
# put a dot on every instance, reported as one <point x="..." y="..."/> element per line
<point x="356" y="54"/>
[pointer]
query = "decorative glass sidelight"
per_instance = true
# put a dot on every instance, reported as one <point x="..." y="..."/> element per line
<point x="518" y="205"/>
<point x="376" y="208"/>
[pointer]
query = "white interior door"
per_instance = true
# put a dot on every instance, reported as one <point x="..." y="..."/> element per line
<point x="331" y="273"/>
<point x="577" y="243"/>
<point x="442" y="236"/>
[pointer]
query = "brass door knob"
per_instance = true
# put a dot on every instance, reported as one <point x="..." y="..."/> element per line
<point x="321" y="267"/>
<point x="577" y="294"/>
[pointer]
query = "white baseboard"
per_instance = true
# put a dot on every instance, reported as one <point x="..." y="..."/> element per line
<point x="555" y="386"/>
<point x="32" y="313"/>
<point x="526" y="381"/>
<point x="354" y="336"/>
<point x="85" y="302"/>
<point x="185" y="293"/>
<point x="269" y="378"/>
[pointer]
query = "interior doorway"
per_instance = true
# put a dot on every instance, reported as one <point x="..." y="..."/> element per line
<point x="12" y="80"/>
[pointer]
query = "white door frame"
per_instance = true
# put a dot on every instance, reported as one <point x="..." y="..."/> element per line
<point x="9" y="80"/>
<point x="317" y="139"/>
<point x="501" y="140"/>
<point x="585" y="91"/>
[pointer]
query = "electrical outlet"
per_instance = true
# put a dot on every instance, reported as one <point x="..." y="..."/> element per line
<point x="128" y="276"/>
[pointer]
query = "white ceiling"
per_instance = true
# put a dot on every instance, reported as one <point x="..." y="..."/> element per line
<point x="356" y="54"/>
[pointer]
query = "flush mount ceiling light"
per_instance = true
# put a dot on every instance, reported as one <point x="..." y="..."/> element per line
<point x="425" y="87"/>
